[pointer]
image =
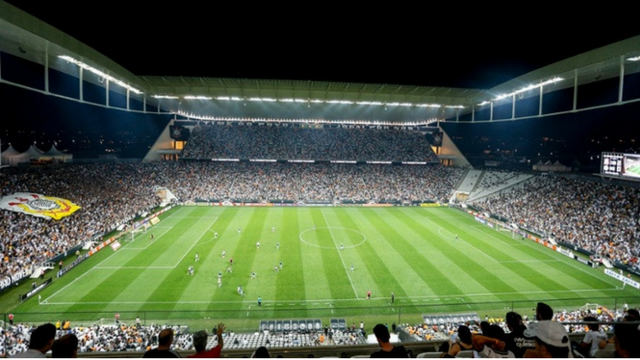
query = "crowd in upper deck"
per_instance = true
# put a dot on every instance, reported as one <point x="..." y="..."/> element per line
<point x="214" y="141"/>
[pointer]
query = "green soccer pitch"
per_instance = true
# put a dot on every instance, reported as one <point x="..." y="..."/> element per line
<point x="635" y="169"/>
<point x="434" y="260"/>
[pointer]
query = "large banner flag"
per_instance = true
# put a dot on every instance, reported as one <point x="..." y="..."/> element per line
<point x="38" y="205"/>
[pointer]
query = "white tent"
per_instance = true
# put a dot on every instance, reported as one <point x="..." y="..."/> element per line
<point x="34" y="152"/>
<point x="13" y="157"/>
<point x="57" y="155"/>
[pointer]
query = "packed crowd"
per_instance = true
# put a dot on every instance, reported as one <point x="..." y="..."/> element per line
<point x="601" y="218"/>
<point x="546" y="335"/>
<point x="112" y="194"/>
<point x="15" y="338"/>
<point x="220" y="140"/>
<point x="107" y="194"/>
<point x="139" y="338"/>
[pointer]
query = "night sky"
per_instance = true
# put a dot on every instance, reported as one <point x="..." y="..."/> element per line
<point x="440" y="43"/>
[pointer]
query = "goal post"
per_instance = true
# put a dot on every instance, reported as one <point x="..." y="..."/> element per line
<point x="512" y="231"/>
<point x="133" y="233"/>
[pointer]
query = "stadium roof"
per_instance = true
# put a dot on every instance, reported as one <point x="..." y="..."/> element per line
<point x="395" y="57"/>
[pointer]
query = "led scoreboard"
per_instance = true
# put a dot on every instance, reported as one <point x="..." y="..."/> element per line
<point x="621" y="165"/>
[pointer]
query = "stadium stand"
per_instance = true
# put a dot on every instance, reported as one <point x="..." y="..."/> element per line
<point x="221" y="140"/>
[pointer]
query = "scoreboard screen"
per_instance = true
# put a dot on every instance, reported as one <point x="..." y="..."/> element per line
<point x="619" y="164"/>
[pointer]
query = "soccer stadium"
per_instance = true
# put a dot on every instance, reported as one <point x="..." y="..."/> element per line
<point x="152" y="215"/>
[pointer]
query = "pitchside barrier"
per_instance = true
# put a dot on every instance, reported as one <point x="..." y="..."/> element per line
<point x="246" y="320"/>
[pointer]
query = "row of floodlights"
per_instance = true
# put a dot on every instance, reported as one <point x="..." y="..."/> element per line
<point x="312" y="101"/>
<point x="99" y="73"/>
<point x="305" y="121"/>
<point x="110" y="78"/>
<point x="345" y="102"/>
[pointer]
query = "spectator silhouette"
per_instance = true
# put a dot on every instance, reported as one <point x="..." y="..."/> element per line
<point x="515" y="339"/>
<point x="462" y="342"/>
<point x="164" y="346"/>
<point x="387" y="350"/>
<point x="551" y="339"/>
<point x="261" y="352"/>
<point x="65" y="347"/>
<point x="40" y="342"/>
<point x="200" y="343"/>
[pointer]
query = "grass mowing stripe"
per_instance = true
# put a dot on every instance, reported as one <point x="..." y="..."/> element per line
<point x="406" y="257"/>
<point x="379" y="279"/>
<point x="451" y="275"/>
<point x="475" y="270"/>
<point x="331" y="268"/>
<point x="174" y="283"/>
<point x="419" y="263"/>
<point x="89" y="290"/>
<point x="517" y="272"/>
<point x="344" y="265"/>
<point x="542" y="253"/>
<point x="290" y="282"/>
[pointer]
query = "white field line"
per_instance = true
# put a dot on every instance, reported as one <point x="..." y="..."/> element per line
<point x="162" y="267"/>
<point x="93" y="268"/>
<point x="539" y="248"/>
<point x="346" y="270"/>
<point x="452" y="238"/>
<point x="133" y="267"/>
<point x="322" y="302"/>
<point x="571" y="263"/>
<point x="150" y="242"/>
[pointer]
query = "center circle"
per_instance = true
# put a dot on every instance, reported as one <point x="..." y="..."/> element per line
<point x="329" y="228"/>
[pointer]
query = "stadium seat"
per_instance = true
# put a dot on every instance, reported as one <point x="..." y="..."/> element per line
<point x="429" y="354"/>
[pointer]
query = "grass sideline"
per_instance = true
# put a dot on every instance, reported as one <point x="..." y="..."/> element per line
<point x="435" y="260"/>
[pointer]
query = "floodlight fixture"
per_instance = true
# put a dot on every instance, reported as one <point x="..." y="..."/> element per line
<point x="198" y="97"/>
<point x="530" y="87"/>
<point x="102" y="74"/>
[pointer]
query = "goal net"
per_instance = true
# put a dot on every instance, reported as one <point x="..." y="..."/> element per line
<point x="137" y="232"/>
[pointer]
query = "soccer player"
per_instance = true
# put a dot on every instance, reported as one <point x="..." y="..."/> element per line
<point x="351" y="267"/>
<point x="341" y="247"/>
<point x="369" y="295"/>
<point x="197" y="257"/>
<point x="253" y="275"/>
<point x="224" y="253"/>
<point x="219" y="282"/>
<point x="280" y="265"/>
<point x="151" y="237"/>
<point x="230" y="261"/>
<point x="273" y="229"/>
<point x="258" y="245"/>
<point x="238" y="231"/>
<point x="240" y="291"/>
<point x="219" y="274"/>
<point x="275" y="268"/>
<point x="259" y="301"/>
<point x="229" y="269"/>
<point x="277" y="246"/>
<point x="215" y="235"/>
<point x="190" y="270"/>
<point x="456" y="236"/>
